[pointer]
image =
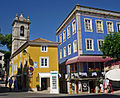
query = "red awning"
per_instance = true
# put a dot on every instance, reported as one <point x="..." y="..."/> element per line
<point x="87" y="59"/>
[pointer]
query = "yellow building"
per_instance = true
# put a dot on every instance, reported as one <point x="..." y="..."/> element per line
<point x="36" y="63"/>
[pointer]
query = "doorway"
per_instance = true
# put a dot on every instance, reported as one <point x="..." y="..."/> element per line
<point x="45" y="83"/>
<point x="92" y="86"/>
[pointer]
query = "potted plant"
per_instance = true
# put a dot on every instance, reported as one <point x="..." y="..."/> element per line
<point x="38" y="87"/>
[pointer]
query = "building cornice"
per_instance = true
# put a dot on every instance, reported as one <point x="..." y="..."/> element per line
<point x="28" y="43"/>
<point x="79" y="8"/>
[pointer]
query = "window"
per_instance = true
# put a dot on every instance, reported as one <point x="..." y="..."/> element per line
<point x="25" y="63"/>
<point x="68" y="32"/>
<point x="64" y="51"/>
<point x="110" y="27"/>
<point x="74" y="27"/>
<point x="60" y="39"/>
<point x="69" y="49"/>
<point x="54" y="82"/>
<point x="22" y="31"/>
<point x="89" y="44"/>
<point x="44" y="62"/>
<point x="74" y="46"/>
<point x="20" y="54"/>
<point x="88" y="25"/>
<point x="44" y="49"/>
<point x="16" y="67"/>
<point x="0" y="57"/>
<point x="60" y="53"/>
<point x="99" y="26"/>
<point x="118" y="27"/>
<point x="64" y="36"/>
<point x="100" y="42"/>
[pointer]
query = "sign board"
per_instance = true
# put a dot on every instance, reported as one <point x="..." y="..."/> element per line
<point x="31" y="68"/>
<point x="35" y="65"/>
<point x="30" y="74"/>
<point x="84" y="86"/>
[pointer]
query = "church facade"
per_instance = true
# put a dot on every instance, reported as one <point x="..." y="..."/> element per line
<point x="32" y="62"/>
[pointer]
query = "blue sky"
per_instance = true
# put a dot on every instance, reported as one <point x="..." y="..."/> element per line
<point x="45" y="15"/>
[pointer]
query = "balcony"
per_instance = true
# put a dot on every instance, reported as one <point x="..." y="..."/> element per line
<point x="83" y="75"/>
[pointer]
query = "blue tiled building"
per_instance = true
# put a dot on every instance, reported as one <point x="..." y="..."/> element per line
<point x="81" y="35"/>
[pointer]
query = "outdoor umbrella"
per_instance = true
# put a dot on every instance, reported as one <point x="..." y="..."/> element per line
<point x="113" y="75"/>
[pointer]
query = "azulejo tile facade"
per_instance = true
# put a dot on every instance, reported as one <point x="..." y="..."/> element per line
<point x="81" y="35"/>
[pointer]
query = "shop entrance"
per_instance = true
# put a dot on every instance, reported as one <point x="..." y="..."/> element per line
<point x="45" y="83"/>
<point x="92" y="86"/>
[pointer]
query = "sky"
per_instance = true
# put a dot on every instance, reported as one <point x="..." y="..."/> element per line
<point x="45" y="15"/>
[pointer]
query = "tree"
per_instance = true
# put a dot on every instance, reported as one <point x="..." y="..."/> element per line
<point x="6" y="40"/>
<point x="111" y="45"/>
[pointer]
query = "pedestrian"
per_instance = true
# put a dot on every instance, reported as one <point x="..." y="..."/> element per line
<point x="15" y="85"/>
<point x="101" y="88"/>
<point x="10" y="83"/>
<point x="6" y="81"/>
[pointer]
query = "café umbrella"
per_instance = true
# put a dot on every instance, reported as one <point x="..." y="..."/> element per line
<point x="113" y="75"/>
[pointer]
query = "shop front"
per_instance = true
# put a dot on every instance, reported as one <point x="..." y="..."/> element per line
<point x="85" y="74"/>
<point x="49" y="82"/>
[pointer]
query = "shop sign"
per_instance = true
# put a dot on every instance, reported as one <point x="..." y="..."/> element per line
<point x="31" y="68"/>
<point x="84" y="86"/>
<point x="30" y="74"/>
<point x="35" y="65"/>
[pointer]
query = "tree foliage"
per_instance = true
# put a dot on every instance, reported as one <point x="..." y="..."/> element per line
<point x="6" y="40"/>
<point x="111" y="45"/>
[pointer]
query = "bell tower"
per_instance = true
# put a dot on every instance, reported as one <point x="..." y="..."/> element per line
<point x="20" y="32"/>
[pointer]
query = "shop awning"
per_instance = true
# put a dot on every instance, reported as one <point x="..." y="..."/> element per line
<point x="87" y="59"/>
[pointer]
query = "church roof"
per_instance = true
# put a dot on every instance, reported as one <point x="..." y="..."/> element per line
<point x="43" y="41"/>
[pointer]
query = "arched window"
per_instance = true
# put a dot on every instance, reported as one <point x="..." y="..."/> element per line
<point x="22" y="31"/>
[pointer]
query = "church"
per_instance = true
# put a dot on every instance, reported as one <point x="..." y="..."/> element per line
<point x="34" y="63"/>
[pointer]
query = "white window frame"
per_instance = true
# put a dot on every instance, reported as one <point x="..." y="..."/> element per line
<point x="60" y="39"/>
<point x="69" y="50"/>
<point x="98" y="43"/>
<point x="112" y="26"/>
<point x="74" y="47"/>
<point x="44" y="50"/>
<point x="91" y="29"/>
<point x="101" y="27"/>
<point x="68" y="32"/>
<point x="64" y="52"/>
<point x="73" y="27"/>
<point x="44" y="62"/>
<point x="60" y="53"/>
<point x="64" y="35"/>
<point x="92" y="44"/>
<point x="118" y="23"/>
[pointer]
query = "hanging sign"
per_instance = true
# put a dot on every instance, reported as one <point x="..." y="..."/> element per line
<point x="35" y="65"/>
<point x="31" y="68"/>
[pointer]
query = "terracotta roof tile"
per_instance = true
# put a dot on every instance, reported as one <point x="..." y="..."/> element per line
<point x="43" y="40"/>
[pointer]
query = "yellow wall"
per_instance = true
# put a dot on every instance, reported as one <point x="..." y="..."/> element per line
<point x="34" y="53"/>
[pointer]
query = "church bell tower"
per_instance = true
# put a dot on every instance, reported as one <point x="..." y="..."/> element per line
<point x="20" y="32"/>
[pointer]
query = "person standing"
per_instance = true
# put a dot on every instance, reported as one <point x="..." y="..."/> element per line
<point x="10" y="83"/>
<point x="15" y="85"/>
